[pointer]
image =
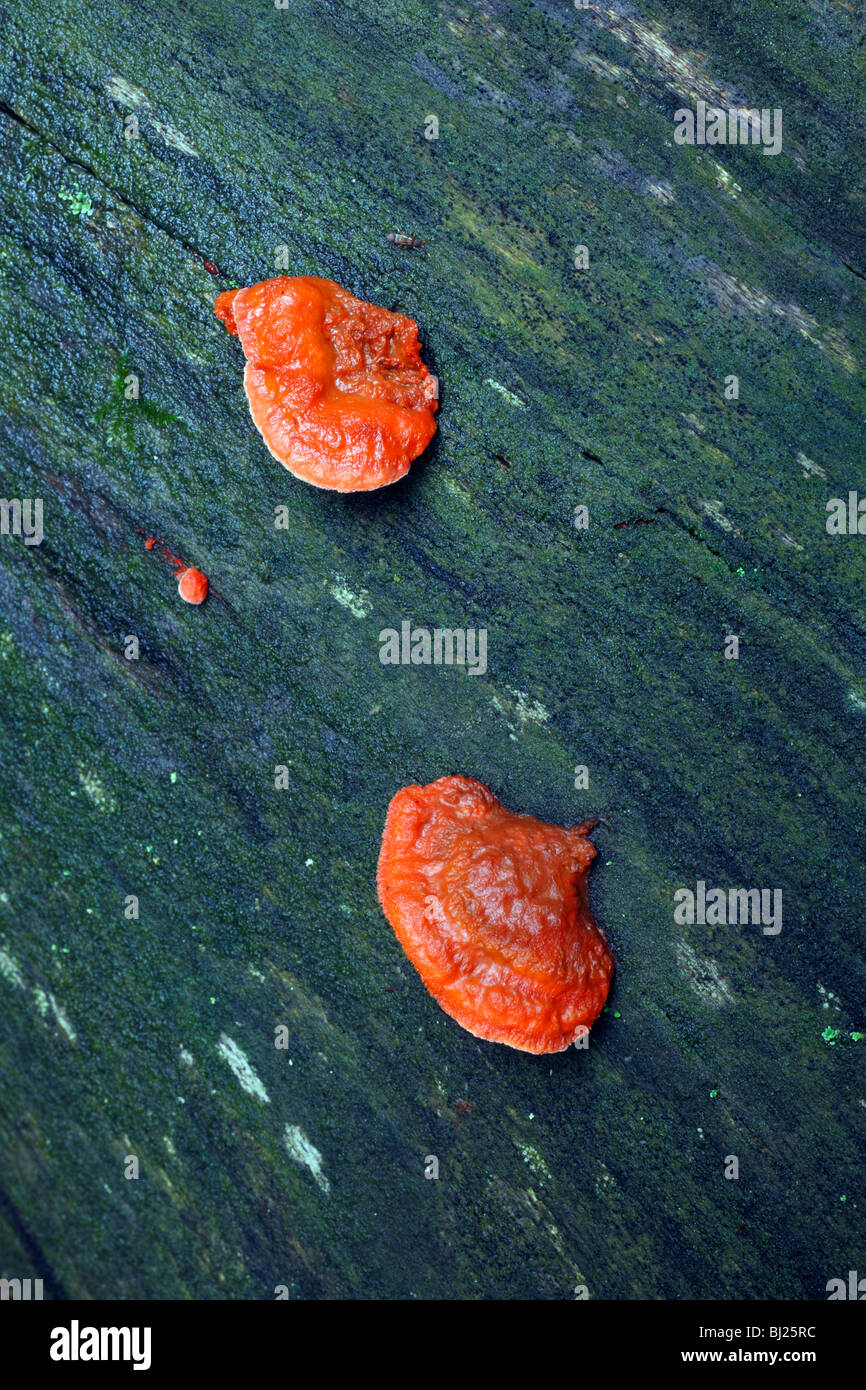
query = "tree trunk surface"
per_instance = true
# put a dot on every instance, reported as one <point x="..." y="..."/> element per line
<point x="506" y="136"/>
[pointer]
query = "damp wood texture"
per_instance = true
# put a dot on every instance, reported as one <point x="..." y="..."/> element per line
<point x="254" y="1038"/>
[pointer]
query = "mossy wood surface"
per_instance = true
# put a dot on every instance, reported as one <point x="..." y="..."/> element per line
<point x="307" y="128"/>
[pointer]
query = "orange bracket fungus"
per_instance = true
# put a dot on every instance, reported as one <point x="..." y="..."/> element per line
<point x="336" y="387"/>
<point x="492" y="910"/>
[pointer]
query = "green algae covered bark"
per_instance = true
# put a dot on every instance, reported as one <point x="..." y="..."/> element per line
<point x="253" y="1037"/>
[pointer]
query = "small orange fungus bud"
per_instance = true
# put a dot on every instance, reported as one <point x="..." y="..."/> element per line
<point x="193" y="586"/>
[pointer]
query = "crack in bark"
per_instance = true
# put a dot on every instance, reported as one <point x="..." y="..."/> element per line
<point x="31" y="1247"/>
<point x="13" y="115"/>
<point x="638" y="520"/>
<point x="854" y="271"/>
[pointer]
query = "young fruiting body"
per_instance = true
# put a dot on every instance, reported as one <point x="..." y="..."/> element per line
<point x="192" y="585"/>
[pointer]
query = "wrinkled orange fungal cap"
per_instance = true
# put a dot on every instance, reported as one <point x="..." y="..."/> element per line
<point x="492" y="910"/>
<point x="336" y="386"/>
<point x="193" y="585"/>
